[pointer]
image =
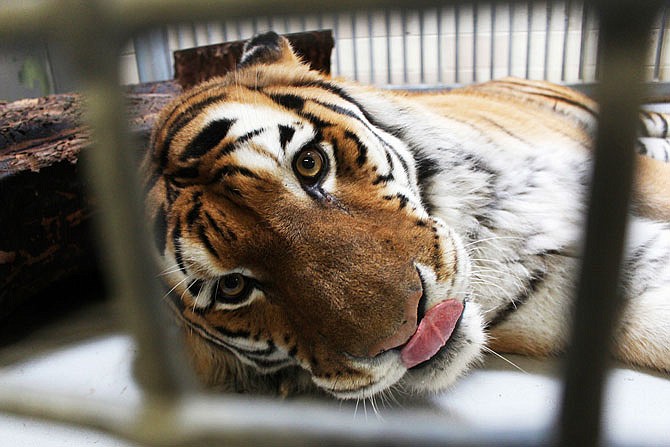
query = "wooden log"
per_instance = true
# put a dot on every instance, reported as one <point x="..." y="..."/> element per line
<point x="195" y="65"/>
<point x="45" y="210"/>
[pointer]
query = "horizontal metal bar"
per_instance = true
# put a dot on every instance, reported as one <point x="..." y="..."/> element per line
<point x="205" y="419"/>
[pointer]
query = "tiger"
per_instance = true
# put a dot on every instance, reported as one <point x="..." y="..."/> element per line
<point x="318" y="235"/>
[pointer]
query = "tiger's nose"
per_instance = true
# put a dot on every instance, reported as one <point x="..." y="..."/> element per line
<point x="404" y="331"/>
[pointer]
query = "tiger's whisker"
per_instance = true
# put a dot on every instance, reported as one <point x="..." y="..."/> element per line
<point x="503" y="358"/>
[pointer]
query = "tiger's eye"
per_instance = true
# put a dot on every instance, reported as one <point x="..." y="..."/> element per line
<point x="309" y="164"/>
<point x="232" y="286"/>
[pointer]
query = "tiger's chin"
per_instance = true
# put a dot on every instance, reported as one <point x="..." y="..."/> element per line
<point x="462" y="351"/>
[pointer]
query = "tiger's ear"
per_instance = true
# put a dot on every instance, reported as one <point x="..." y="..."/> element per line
<point x="268" y="48"/>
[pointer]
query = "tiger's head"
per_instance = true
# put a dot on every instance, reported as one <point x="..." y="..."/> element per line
<point x="295" y="243"/>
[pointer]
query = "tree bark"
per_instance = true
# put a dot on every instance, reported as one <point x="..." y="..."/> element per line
<point x="45" y="209"/>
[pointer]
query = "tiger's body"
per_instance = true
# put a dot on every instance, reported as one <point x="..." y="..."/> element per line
<point x="319" y="233"/>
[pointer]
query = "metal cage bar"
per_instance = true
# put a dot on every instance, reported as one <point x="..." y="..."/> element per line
<point x="93" y="35"/>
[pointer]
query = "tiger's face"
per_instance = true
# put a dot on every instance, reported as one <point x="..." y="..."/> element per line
<point x="294" y="238"/>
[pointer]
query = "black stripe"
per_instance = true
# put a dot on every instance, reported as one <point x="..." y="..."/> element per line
<point x="189" y="172"/>
<point x="660" y="116"/>
<point x="249" y="135"/>
<point x="553" y="94"/>
<point x="207" y="139"/>
<point x="641" y="148"/>
<point x="232" y="334"/>
<point x="270" y="364"/>
<point x="160" y="230"/>
<point x="572" y="102"/>
<point x="403" y="200"/>
<point x="227" y="149"/>
<point x="478" y="165"/>
<point x="383" y="178"/>
<point x="285" y="135"/>
<point x="238" y="334"/>
<point x="533" y="284"/>
<point x="341" y="93"/>
<point x="215" y="225"/>
<point x="195" y="287"/>
<point x="318" y="122"/>
<point x="643" y="126"/>
<point x="176" y="235"/>
<point x="202" y="235"/>
<point x="183" y="119"/>
<point x="194" y="212"/>
<point x="228" y="171"/>
<point x="426" y="168"/>
<point x="170" y="192"/>
<point x="290" y="101"/>
<point x="151" y="182"/>
<point x="362" y="149"/>
<point x="504" y="129"/>
<point x="401" y="197"/>
<point x="233" y="145"/>
<point x="339" y="109"/>
<point x="642" y="130"/>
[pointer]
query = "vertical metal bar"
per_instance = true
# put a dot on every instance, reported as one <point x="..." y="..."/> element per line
<point x="336" y="32"/>
<point x="547" y="36"/>
<point x="112" y="173"/>
<point x="660" y="43"/>
<point x="530" y="29"/>
<point x="387" y="23"/>
<point x="510" y="39"/>
<point x="475" y="10"/>
<point x="493" y="32"/>
<point x="287" y="24"/>
<point x="439" y="45"/>
<point x="403" y="22"/>
<point x="180" y="37"/>
<point x="582" y="43"/>
<point x="422" y="75"/>
<point x="457" y="31"/>
<point x="354" y="45"/>
<point x="566" y="32"/>
<point x="598" y="59"/>
<point x="195" y="35"/>
<point x="623" y="32"/>
<point x="210" y="35"/>
<point x="371" y="43"/>
<point x="153" y="56"/>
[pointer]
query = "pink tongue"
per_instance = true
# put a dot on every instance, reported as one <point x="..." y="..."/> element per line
<point x="433" y="332"/>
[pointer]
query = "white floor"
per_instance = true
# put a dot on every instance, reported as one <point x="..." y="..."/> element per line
<point x="496" y="396"/>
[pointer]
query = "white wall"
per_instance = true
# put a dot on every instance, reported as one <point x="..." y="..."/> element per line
<point x="363" y="37"/>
